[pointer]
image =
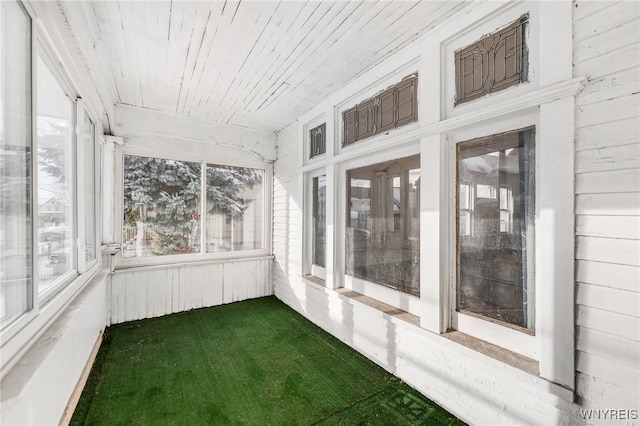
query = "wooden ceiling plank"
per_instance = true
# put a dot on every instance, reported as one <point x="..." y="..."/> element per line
<point x="159" y="29"/>
<point x="295" y="49"/>
<point x="253" y="20"/>
<point x="271" y="48"/>
<point x="93" y="46"/>
<point x="301" y="95"/>
<point x="254" y="84"/>
<point x="285" y="28"/>
<point x="186" y="42"/>
<point x="205" y="29"/>
<point x="131" y="39"/>
<point x="174" y="38"/>
<point x="226" y="49"/>
<point x="114" y="33"/>
<point x="204" y="79"/>
<point x="264" y="54"/>
<point x="330" y="24"/>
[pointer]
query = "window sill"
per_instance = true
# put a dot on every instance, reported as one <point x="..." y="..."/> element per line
<point x="506" y="356"/>
<point x="382" y="307"/>
<point x="315" y="280"/>
<point x="190" y="262"/>
<point x="513" y="359"/>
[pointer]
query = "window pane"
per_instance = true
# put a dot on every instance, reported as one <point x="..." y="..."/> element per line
<point x="161" y="207"/>
<point x="55" y="179"/>
<point x="235" y="208"/>
<point x="15" y="162"/>
<point x="319" y="220"/>
<point x="495" y="276"/>
<point x="87" y="137"/>
<point x="383" y="224"/>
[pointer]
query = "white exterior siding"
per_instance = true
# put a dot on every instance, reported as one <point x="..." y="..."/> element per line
<point x="607" y="46"/>
<point x="287" y="208"/>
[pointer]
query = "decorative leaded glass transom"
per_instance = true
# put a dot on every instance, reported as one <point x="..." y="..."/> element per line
<point x="317" y="140"/>
<point x="495" y="62"/>
<point x="389" y="109"/>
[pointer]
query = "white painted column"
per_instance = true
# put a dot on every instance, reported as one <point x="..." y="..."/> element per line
<point x="434" y="234"/>
<point x="555" y="241"/>
<point x="108" y="187"/>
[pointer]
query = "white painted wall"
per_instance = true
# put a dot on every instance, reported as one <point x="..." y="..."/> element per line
<point x="153" y="291"/>
<point x="479" y="389"/>
<point x="607" y="162"/>
<point x="38" y="387"/>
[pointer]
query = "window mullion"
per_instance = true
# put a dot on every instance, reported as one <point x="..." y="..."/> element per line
<point x="79" y="195"/>
<point x="32" y="298"/>
<point x="203" y="207"/>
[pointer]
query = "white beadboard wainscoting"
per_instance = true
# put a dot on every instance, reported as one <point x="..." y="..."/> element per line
<point x="153" y="291"/>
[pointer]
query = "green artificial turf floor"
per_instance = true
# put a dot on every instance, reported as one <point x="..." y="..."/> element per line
<point x="256" y="362"/>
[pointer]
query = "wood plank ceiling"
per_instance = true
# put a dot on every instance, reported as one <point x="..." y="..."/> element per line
<point x="256" y="64"/>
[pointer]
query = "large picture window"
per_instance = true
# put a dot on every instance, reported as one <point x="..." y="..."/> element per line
<point x="383" y="226"/>
<point x="163" y="208"/>
<point x="495" y="243"/>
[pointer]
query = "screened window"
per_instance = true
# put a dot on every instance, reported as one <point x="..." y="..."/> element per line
<point x="15" y="162"/>
<point x="55" y="179"/>
<point x="495" y="261"/>
<point x="383" y="225"/>
<point x="164" y="213"/>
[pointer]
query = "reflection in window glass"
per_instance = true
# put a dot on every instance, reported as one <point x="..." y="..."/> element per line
<point x="235" y="206"/>
<point x="161" y="207"/>
<point x="495" y="274"/>
<point x="319" y="220"/>
<point x="465" y="211"/>
<point x="55" y="179"/>
<point x="383" y="224"/>
<point x="15" y="162"/>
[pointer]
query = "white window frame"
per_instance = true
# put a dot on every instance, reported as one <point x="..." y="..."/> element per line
<point x="42" y="50"/>
<point x="18" y="336"/>
<point x="306" y="149"/>
<point x="396" y="298"/>
<point x="122" y="262"/>
<point x="547" y="99"/>
<point x="512" y="338"/>
<point x="82" y="111"/>
<point x="309" y="268"/>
